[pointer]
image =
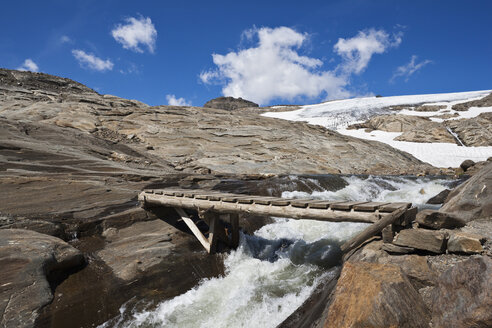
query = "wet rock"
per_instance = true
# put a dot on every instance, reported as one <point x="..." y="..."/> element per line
<point x="136" y="249"/>
<point x="439" y="198"/>
<point x="422" y="239"/>
<point x="473" y="199"/>
<point x="376" y="295"/>
<point x="438" y="220"/>
<point x="229" y="103"/>
<point x="30" y="261"/>
<point x="462" y="242"/>
<point x="462" y="297"/>
<point x="41" y="226"/>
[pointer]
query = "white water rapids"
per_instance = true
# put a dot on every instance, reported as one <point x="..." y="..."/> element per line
<point x="273" y="272"/>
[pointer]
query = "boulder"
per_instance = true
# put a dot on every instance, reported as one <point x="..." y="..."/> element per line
<point x="439" y="198"/>
<point x="473" y="199"/>
<point x="462" y="297"/>
<point x="438" y="220"/>
<point x="422" y="239"/>
<point x="229" y="103"/>
<point x="467" y="164"/>
<point x="30" y="261"/>
<point x="463" y="242"/>
<point x="376" y="295"/>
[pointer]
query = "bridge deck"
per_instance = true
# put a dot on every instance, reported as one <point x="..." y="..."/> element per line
<point x="216" y="208"/>
<point x="324" y="210"/>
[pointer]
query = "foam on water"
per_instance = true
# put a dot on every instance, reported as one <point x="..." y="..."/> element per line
<point x="377" y="188"/>
<point x="273" y="272"/>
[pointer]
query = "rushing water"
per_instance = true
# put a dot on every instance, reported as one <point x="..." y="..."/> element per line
<point x="274" y="271"/>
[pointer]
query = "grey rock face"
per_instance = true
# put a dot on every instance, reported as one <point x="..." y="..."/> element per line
<point x="414" y="128"/>
<point x="27" y="259"/>
<point x="136" y="249"/>
<point x="475" y="131"/>
<point x="169" y="139"/>
<point x="473" y="199"/>
<point x="439" y="198"/>
<point x="427" y="240"/>
<point x="484" y="102"/>
<point x="462" y="297"/>
<point x="229" y="103"/>
<point x="438" y="220"/>
<point x="376" y="295"/>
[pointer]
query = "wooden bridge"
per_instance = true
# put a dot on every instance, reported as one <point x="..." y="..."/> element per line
<point x="217" y="208"/>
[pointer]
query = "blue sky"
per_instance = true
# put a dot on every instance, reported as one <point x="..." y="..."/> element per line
<point x="273" y="52"/>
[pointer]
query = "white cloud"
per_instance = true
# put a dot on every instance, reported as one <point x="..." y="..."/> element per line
<point x="173" y="101"/>
<point x="274" y="69"/>
<point x="137" y="31"/>
<point x="65" y="39"/>
<point x="92" y="62"/>
<point x="409" y="69"/>
<point x="356" y="52"/>
<point x="28" y="65"/>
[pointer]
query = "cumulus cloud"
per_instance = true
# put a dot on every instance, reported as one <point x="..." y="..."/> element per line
<point x="135" y="33"/>
<point x="90" y="61"/>
<point x="273" y="69"/>
<point x="173" y="101"/>
<point x="356" y="52"/>
<point x="28" y="65"/>
<point x="409" y="69"/>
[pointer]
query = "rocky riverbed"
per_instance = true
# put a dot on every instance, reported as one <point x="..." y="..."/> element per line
<point x="75" y="246"/>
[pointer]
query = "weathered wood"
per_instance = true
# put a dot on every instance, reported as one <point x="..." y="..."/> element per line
<point x="212" y="233"/>
<point x="255" y="209"/>
<point x="371" y="206"/>
<point x="388" y="233"/>
<point x="346" y="206"/>
<point x="234" y="221"/>
<point x="391" y="207"/>
<point x="322" y="204"/>
<point x="194" y="229"/>
<point x="372" y="230"/>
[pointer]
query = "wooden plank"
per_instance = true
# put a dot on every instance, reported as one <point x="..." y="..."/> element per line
<point x="370" y="206"/>
<point x="148" y="191"/>
<point x="212" y="233"/>
<point x="302" y="203"/>
<point x="234" y="221"/>
<point x="247" y="199"/>
<point x="194" y="229"/>
<point x="345" y="206"/>
<point x="280" y="201"/>
<point x="372" y="230"/>
<point x="322" y="204"/>
<point x="394" y="206"/>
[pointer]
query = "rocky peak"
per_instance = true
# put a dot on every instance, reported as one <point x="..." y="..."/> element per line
<point x="40" y="81"/>
<point x="229" y="103"/>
